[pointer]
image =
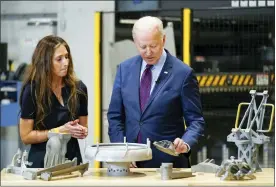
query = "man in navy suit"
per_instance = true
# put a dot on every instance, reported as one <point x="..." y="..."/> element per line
<point x="153" y="94"/>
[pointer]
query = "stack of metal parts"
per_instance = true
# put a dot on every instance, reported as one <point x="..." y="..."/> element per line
<point x="235" y="170"/>
<point x="247" y="139"/>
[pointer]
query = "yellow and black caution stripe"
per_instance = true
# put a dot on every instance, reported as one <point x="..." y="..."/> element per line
<point x="248" y="79"/>
<point x="222" y="80"/>
<point x="213" y="80"/>
<point x="216" y="80"/>
<point x="232" y="82"/>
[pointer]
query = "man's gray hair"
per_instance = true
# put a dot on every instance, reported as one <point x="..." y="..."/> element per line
<point x="148" y="23"/>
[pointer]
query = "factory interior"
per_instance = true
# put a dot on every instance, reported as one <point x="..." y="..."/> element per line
<point x="229" y="44"/>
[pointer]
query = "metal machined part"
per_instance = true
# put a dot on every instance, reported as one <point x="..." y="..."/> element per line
<point x="248" y="134"/>
<point x="118" y="168"/>
<point x="15" y="166"/>
<point x="181" y="174"/>
<point x="167" y="172"/>
<point x="48" y="175"/>
<point x="166" y="147"/>
<point x="32" y="175"/>
<point x="19" y="163"/>
<point x="56" y="149"/>
<point x="207" y="166"/>
<point x="235" y="170"/>
<point x="118" y="156"/>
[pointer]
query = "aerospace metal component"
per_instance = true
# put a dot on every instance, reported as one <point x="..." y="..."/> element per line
<point x="48" y="175"/>
<point x="118" y="156"/>
<point x="19" y="163"/>
<point x="207" y="166"/>
<point x="167" y="172"/>
<point x="248" y="140"/>
<point x="33" y="175"/>
<point x="56" y="149"/>
<point x="15" y="166"/>
<point x="235" y="170"/>
<point x="166" y="147"/>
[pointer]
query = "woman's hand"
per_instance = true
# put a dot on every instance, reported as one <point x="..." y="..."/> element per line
<point x="80" y="134"/>
<point x="74" y="128"/>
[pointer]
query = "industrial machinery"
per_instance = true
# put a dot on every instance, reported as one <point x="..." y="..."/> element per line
<point x="231" y="51"/>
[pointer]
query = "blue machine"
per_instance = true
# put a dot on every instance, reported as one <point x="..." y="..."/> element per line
<point x="9" y="111"/>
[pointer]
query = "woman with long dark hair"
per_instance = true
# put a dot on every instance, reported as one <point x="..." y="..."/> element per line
<point x="52" y="99"/>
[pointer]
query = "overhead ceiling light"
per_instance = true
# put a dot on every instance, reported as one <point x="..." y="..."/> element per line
<point x="128" y="21"/>
<point x="42" y="21"/>
<point x="171" y="18"/>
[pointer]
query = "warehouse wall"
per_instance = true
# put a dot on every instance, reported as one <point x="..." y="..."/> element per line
<point x="75" y="25"/>
<point x="28" y="7"/>
<point x="21" y="37"/>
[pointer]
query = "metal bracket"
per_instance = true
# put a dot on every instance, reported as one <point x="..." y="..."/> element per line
<point x="48" y="175"/>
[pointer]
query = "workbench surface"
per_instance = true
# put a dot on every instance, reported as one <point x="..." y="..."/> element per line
<point x="139" y="177"/>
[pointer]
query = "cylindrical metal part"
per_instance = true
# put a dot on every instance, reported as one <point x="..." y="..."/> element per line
<point x="118" y="169"/>
<point x="166" y="171"/>
<point x="265" y="155"/>
<point x="225" y="152"/>
<point x="199" y="157"/>
<point x="233" y="168"/>
<point x="245" y="168"/>
<point x="204" y="153"/>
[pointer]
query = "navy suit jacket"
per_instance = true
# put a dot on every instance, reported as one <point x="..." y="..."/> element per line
<point x="174" y="98"/>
